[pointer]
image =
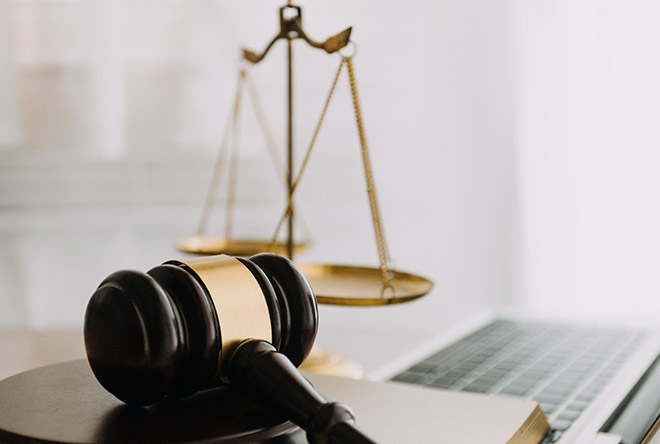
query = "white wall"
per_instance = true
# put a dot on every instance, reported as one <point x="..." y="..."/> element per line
<point x="587" y="137"/>
<point x="436" y="85"/>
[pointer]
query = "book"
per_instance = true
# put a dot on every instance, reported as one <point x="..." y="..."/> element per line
<point x="396" y="413"/>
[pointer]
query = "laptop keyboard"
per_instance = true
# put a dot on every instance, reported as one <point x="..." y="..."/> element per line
<point x="563" y="368"/>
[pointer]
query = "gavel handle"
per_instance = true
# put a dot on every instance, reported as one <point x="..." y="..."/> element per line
<point x="271" y="380"/>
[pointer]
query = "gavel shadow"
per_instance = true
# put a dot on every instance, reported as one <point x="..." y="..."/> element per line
<point x="216" y="415"/>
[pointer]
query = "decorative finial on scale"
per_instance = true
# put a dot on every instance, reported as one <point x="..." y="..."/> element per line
<point x="291" y="28"/>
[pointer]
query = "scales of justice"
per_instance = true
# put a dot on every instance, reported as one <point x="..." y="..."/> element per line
<point x="345" y="285"/>
<point x="64" y="403"/>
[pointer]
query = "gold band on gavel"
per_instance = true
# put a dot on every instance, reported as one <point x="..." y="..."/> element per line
<point x="238" y="299"/>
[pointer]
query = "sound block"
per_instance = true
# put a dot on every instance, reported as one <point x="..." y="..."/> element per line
<point x="63" y="403"/>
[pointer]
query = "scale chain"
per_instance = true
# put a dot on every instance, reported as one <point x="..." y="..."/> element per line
<point x="270" y="143"/>
<point x="289" y="205"/>
<point x="233" y="167"/>
<point x="383" y="254"/>
<point x="265" y="129"/>
<point x="222" y="155"/>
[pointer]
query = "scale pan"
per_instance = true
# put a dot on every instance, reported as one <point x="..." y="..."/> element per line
<point x="362" y="286"/>
<point x="233" y="247"/>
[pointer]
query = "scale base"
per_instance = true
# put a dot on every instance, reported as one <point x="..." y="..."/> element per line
<point x="328" y="362"/>
<point x="64" y="403"/>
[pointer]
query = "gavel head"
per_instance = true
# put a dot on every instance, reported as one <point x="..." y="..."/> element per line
<point x="172" y="330"/>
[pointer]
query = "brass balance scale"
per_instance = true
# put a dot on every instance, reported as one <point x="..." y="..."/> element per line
<point x="344" y="285"/>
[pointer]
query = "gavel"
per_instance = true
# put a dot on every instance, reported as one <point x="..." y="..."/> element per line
<point x="185" y="326"/>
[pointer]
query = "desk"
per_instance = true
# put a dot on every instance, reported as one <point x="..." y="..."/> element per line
<point x="26" y="350"/>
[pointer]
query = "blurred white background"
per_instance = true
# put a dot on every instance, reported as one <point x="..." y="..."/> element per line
<point x="514" y="146"/>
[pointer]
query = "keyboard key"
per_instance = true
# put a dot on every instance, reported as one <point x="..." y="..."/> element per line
<point x="534" y="375"/>
<point x="408" y="377"/>
<point x="557" y="390"/>
<point x="496" y="373"/>
<point x="585" y="397"/>
<point x="514" y="390"/>
<point x="524" y="384"/>
<point x="565" y="382"/>
<point x="548" y="408"/>
<point x="422" y="367"/>
<point x="489" y="379"/>
<point x="506" y="365"/>
<point x="574" y="375"/>
<point x="556" y="434"/>
<point x="544" y="368"/>
<point x="593" y="387"/>
<point x="476" y="388"/>
<point x="569" y="415"/>
<point x="578" y="405"/>
<point x="458" y="374"/>
<point x="560" y="424"/>
<point x="447" y="380"/>
<point x="552" y="399"/>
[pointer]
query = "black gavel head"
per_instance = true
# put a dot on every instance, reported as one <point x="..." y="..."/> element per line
<point x="172" y="330"/>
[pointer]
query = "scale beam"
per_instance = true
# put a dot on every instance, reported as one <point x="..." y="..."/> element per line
<point x="291" y="28"/>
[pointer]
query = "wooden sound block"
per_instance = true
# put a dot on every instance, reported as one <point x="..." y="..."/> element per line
<point x="63" y="403"/>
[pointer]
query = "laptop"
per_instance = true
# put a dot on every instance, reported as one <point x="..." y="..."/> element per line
<point x="596" y="384"/>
